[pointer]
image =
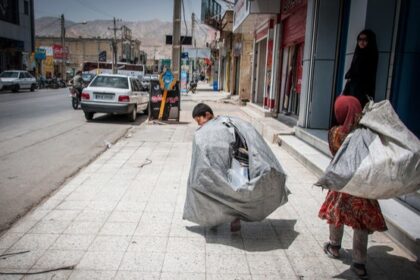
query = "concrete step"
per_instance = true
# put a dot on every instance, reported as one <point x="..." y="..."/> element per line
<point x="315" y="137"/>
<point x="309" y="156"/>
<point x="257" y="110"/>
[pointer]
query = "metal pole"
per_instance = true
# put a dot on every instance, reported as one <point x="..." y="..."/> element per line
<point x="176" y="40"/>
<point x="193" y="38"/>
<point x="114" y="59"/>
<point x="63" y="35"/>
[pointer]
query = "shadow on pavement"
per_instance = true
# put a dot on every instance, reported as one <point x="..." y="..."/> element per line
<point x="118" y="119"/>
<point x="263" y="236"/>
<point x="382" y="265"/>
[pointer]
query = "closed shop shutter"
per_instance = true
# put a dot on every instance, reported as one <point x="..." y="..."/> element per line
<point x="294" y="28"/>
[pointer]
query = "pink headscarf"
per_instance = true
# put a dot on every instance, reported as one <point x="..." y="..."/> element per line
<point x="346" y="109"/>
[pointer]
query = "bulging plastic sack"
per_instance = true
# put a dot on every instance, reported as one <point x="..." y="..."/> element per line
<point x="233" y="174"/>
<point x="378" y="160"/>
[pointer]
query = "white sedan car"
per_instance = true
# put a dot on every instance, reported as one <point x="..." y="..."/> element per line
<point x="16" y="80"/>
<point x="116" y="94"/>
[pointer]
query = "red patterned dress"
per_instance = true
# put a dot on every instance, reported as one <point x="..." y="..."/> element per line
<point x="344" y="209"/>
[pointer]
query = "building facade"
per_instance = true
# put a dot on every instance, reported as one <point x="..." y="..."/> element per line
<point x="87" y="49"/>
<point x="16" y="34"/>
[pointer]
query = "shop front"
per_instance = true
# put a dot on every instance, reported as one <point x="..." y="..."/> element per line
<point x="293" y="22"/>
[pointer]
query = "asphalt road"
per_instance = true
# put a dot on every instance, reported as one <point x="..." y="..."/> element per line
<point x="43" y="142"/>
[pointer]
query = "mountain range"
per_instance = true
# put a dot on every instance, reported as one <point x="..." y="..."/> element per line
<point x="151" y="33"/>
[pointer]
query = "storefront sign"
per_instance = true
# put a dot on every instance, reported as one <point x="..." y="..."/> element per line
<point x="58" y="52"/>
<point x="40" y="54"/>
<point x="48" y="50"/>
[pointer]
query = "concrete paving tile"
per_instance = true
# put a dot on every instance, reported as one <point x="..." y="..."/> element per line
<point x="92" y="275"/>
<point x="50" y="204"/>
<point x="72" y="205"/>
<point x="63" y="215"/>
<point x="22" y="226"/>
<point x="193" y="262"/>
<point x="152" y="229"/>
<point x="218" y="263"/>
<point x="148" y="244"/>
<point x="136" y="275"/>
<point x="21" y="261"/>
<point x="157" y="217"/>
<point x="131" y="206"/>
<point x="88" y="215"/>
<point x="36" y="214"/>
<point x="81" y="195"/>
<point x="270" y="264"/>
<point x="269" y="276"/>
<point x="309" y="267"/>
<point x="182" y="276"/>
<point x="125" y="229"/>
<point x="257" y="231"/>
<point x="56" y="275"/>
<point x="102" y="206"/>
<point x="228" y="276"/>
<point x="34" y="242"/>
<point x="110" y="243"/>
<point x="82" y="227"/>
<point x="228" y="245"/>
<point x="102" y="260"/>
<point x="9" y="238"/>
<point x="50" y="226"/>
<point x="186" y="229"/>
<point x="142" y="261"/>
<point x="59" y="258"/>
<point x="72" y="242"/>
<point x="259" y="246"/>
<point x="125" y="216"/>
<point x="159" y="207"/>
<point x="186" y="245"/>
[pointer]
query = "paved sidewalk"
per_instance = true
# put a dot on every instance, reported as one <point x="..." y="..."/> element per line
<point x="121" y="218"/>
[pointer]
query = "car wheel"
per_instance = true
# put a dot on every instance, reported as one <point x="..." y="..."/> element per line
<point x="89" y="115"/>
<point x="33" y="87"/>
<point x="133" y="115"/>
<point x="15" y="88"/>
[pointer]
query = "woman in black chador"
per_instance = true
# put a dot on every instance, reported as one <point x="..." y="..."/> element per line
<point x="361" y="77"/>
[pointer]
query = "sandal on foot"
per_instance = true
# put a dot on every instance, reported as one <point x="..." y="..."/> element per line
<point x="328" y="250"/>
<point x="360" y="270"/>
<point x="235" y="225"/>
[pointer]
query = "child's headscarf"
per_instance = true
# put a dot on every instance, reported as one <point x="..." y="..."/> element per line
<point x="347" y="109"/>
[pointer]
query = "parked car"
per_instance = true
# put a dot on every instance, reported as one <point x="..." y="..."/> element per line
<point x="16" y="80"/>
<point x="115" y="94"/>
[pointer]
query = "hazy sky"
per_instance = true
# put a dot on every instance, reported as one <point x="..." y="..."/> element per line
<point x="128" y="10"/>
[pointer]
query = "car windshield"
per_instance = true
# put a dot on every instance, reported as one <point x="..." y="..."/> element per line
<point x="9" y="74"/>
<point x="110" y="81"/>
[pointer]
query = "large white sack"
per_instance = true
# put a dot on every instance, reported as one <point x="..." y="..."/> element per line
<point x="380" y="159"/>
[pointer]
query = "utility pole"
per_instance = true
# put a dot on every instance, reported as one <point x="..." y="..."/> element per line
<point x="194" y="42"/>
<point x="63" y="62"/>
<point x="114" y="47"/>
<point x="176" y="40"/>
